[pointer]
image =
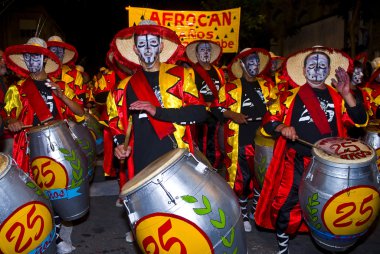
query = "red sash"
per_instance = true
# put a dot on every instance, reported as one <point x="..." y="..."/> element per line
<point x="144" y="92"/>
<point x="313" y="105"/>
<point x="204" y="75"/>
<point x="36" y="101"/>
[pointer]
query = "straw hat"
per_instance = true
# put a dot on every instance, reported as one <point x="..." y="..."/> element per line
<point x="294" y="64"/>
<point x="375" y="64"/>
<point x="123" y="42"/>
<point x="235" y="66"/>
<point x="71" y="53"/>
<point x="14" y="59"/>
<point x="216" y="51"/>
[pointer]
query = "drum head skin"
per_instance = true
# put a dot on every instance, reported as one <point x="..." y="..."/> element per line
<point x="153" y="169"/>
<point x="48" y="125"/>
<point x="344" y="151"/>
<point x="4" y="164"/>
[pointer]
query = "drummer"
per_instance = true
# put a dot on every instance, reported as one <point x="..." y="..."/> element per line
<point x="36" y="99"/>
<point x="312" y="111"/>
<point x="162" y="98"/>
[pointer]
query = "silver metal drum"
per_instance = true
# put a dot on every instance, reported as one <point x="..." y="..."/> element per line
<point x="59" y="167"/>
<point x="263" y="156"/>
<point x="83" y="136"/>
<point x="96" y="130"/>
<point x="339" y="192"/>
<point x="372" y="138"/>
<point x="26" y="215"/>
<point x="178" y="205"/>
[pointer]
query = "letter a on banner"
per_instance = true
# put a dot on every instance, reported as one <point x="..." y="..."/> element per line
<point x="219" y="26"/>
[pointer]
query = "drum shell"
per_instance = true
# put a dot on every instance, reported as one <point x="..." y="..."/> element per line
<point x="85" y="139"/>
<point x="327" y="180"/>
<point x="263" y="156"/>
<point x="48" y="142"/>
<point x="372" y="138"/>
<point x="18" y="192"/>
<point x="96" y="130"/>
<point x="188" y="177"/>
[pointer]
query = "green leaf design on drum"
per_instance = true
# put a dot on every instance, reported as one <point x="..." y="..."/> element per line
<point x="312" y="202"/>
<point x="219" y="223"/>
<point x="75" y="163"/>
<point x="34" y="187"/>
<point x="261" y="169"/>
<point x="86" y="146"/>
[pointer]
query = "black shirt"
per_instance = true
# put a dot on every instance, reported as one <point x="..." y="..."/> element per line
<point x="203" y="88"/>
<point x="47" y="96"/>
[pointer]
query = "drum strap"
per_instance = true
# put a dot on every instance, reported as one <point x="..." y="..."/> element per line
<point x="144" y="92"/>
<point x="313" y="105"/>
<point x="36" y="101"/>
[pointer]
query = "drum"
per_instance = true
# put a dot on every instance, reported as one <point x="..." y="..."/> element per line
<point x="339" y="192"/>
<point x="83" y="136"/>
<point x="372" y="137"/>
<point x="178" y="205"/>
<point x="263" y="156"/>
<point x="59" y="167"/>
<point x="26" y="215"/>
<point x="96" y="130"/>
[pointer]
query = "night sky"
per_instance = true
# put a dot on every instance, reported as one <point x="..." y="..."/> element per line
<point x="90" y="25"/>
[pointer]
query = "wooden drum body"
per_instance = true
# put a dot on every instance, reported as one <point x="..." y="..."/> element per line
<point x="339" y="192"/>
<point x="178" y="205"/>
<point x="26" y="214"/>
<point x="59" y="167"/>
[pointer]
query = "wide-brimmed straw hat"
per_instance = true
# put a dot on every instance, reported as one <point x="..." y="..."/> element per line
<point x="375" y="64"/>
<point x="14" y="59"/>
<point x="294" y="64"/>
<point x="235" y="67"/>
<point x="71" y="54"/>
<point x="216" y="51"/>
<point x="123" y="42"/>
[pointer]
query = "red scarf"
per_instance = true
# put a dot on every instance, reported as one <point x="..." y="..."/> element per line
<point x="144" y="92"/>
<point x="313" y="105"/>
<point x="36" y="101"/>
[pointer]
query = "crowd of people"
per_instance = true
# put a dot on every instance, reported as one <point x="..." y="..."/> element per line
<point x="172" y="96"/>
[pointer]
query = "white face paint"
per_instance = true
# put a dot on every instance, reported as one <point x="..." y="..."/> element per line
<point x="148" y="47"/>
<point x="252" y="64"/>
<point x="317" y="69"/>
<point x="59" y="52"/>
<point x="34" y="62"/>
<point x="357" y="76"/>
<point x="204" y="52"/>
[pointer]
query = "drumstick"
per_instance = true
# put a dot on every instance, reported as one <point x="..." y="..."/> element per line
<point x="126" y="140"/>
<point x="22" y="128"/>
<point x="316" y="147"/>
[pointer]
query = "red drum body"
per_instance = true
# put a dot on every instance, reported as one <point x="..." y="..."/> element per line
<point x="26" y="214"/>
<point x="339" y="192"/>
<point x="59" y="168"/>
<point x="178" y="205"/>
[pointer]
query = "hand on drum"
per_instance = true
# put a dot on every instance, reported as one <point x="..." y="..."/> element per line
<point x="121" y="153"/>
<point x="143" y="105"/>
<point x="15" y="125"/>
<point x="287" y="131"/>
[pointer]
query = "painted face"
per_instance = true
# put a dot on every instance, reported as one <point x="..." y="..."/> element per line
<point x="59" y="52"/>
<point x="148" y="47"/>
<point x="34" y="62"/>
<point x="252" y="64"/>
<point x="357" y="76"/>
<point x="204" y="52"/>
<point x="317" y="69"/>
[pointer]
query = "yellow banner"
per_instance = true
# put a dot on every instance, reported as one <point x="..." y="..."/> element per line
<point x="219" y="26"/>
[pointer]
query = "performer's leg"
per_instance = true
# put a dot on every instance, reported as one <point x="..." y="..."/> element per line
<point x="63" y="247"/>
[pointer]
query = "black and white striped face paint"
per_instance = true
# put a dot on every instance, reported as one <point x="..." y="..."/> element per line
<point x="148" y="47"/>
<point x="59" y="52"/>
<point x="34" y="62"/>
<point x="317" y="69"/>
<point x="252" y="64"/>
<point x="204" y="52"/>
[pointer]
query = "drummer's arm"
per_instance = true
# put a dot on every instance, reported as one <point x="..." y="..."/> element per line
<point x="73" y="106"/>
<point x="276" y="128"/>
<point x="120" y="151"/>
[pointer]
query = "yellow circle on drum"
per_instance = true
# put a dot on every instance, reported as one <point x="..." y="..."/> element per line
<point x="152" y="170"/>
<point x="351" y="211"/>
<point x="167" y="233"/>
<point x="48" y="173"/>
<point x="26" y="228"/>
<point x="5" y="165"/>
<point x="344" y="151"/>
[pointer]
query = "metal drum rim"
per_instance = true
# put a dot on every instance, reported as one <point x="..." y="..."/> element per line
<point x="344" y="165"/>
<point x="50" y="124"/>
<point x="4" y="171"/>
<point x="131" y="186"/>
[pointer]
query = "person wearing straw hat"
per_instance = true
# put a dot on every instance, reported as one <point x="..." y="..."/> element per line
<point x="374" y="84"/>
<point x="246" y="96"/>
<point x="161" y="99"/>
<point x="311" y="111"/>
<point x="276" y="72"/>
<point x="202" y="56"/>
<point x="36" y="99"/>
